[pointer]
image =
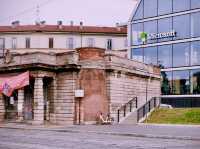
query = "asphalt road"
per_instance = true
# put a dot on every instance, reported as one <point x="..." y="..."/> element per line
<point x="37" y="139"/>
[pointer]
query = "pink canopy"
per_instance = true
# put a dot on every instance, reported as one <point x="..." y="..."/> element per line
<point x="9" y="84"/>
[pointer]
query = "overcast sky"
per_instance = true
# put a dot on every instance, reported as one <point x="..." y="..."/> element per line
<point x="91" y="12"/>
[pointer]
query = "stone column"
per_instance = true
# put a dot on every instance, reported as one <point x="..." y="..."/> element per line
<point x="2" y="108"/>
<point x="38" y="102"/>
<point x="20" y="104"/>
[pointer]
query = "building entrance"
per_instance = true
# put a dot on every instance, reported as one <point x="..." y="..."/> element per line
<point x="11" y="107"/>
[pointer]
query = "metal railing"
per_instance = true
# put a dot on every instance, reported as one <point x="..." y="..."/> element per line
<point x="147" y="107"/>
<point x="126" y="108"/>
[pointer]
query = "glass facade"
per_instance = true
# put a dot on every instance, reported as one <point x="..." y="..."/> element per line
<point x="181" y="5"/>
<point x="149" y="9"/>
<point x="181" y="24"/>
<point x="195" y="81"/>
<point x="195" y="53"/>
<point x="173" y="42"/>
<point x="137" y="54"/>
<point x="164" y="7"/>
<point x="150" y="55"/>
<point x="195" y="24"/>
<point x="165" y="56"/>
<point x="181" y="83"/>
<point x="181" y="54"/>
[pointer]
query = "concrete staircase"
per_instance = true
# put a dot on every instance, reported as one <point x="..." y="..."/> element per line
<point x="130" y="113"/>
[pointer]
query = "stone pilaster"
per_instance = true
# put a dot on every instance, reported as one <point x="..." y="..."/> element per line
<point x="20" y="104"/>
<point x="2" y="108"/>
<point x="53" y="101"/>
<point x="38" y="101"/>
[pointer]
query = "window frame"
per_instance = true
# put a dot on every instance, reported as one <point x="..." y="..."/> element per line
<point x="51" y="43"/>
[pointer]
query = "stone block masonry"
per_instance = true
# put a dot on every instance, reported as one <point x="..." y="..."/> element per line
<point x="65" y="100"/>
<point x="108" y="82"/>
<point x="2" y="108"/>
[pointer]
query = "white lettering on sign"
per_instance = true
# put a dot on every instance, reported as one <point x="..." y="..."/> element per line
<point x="154" y="36"/>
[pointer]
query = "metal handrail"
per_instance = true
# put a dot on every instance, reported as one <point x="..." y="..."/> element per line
<point x="131" y="104"/>
<point x="147" y="107"/>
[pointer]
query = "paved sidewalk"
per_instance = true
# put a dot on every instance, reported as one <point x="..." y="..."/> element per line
<point x="180" y="132"/>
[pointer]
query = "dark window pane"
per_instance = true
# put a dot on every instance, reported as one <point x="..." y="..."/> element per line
<point x="70" y="43"/>
<point x="150" y="8"/>
<point x="137" y="29"/>
<point x="165" y="26"/>
<point x="181" y="54"/>
<point x="181" y="25"/>
<point x="14" y="43"/>
<point x="195" y="53"/>
<point x="28" y="40"/>
<point x="2" y="46"/>
<point x="195" y="4"/>
<point x="166" y="86"/>
<point x="195" y="24"/>
<point x="164" y="7"/>
<point x="139" y="12"/>
<point x="181" y="84"/>
<point x="109" y="44"/>
<point x="150" y="28"/>
<point x="137" y="54"/>
<point x="181" y="5"/>
<point x="50" y="42"/>
<point x="195" y="81"/>
<point x="165" y="56"/>
<point x="150" y="55"/>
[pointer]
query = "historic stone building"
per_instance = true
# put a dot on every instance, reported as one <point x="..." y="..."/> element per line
<point x="75" y="86"/>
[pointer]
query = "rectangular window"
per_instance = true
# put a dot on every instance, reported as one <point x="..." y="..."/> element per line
<point x="165" y="26"/>
<point x="126" y="42"/>
<point x="150" y="55"/>
<point x="195" y="81"/>
<point x="181" y="25"/>
<point x="195" y="24"/>
<point x="50" y="42"/>
<point x="181" y="5"/>
<point x="150" y="8"/>
<point x="181" y="54"/>
<point x="70" y="43"/>
<point x="91" y="42"/>
<point x="166" y="86"/>
<point x="164" y="7"/>
<point x="28" y="42"/>
<point x="14" y="43"/>
<point x="2" y="46"/>
<point x="137" y="54"/>
<point x="181" y="83"/>
<point x="109" y="44"/>
<point x="137" y="29"/>
<point x="195" y="53"/>
<point x="195" y="4"/>
<point x="150" y="27"/>
<point x="165" y="56"/>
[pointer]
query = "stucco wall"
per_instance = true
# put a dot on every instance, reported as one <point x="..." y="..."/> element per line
<point x="41" y="40"/>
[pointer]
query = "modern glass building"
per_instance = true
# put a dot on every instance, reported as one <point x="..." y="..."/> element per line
<point x="167" y="33"/>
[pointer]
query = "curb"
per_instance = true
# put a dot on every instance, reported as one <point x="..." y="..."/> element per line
<point x="168" y="125"/>
<point x="110" y="133"/>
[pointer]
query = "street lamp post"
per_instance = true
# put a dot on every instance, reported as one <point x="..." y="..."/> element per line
<point x="148" y="79"/>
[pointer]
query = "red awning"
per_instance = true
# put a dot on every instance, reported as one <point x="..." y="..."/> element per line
<point x="9" y="84"/>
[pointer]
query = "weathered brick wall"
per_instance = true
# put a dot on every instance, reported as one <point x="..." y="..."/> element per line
<point x="64" y="103"/>
<point x="95" y="99"/>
